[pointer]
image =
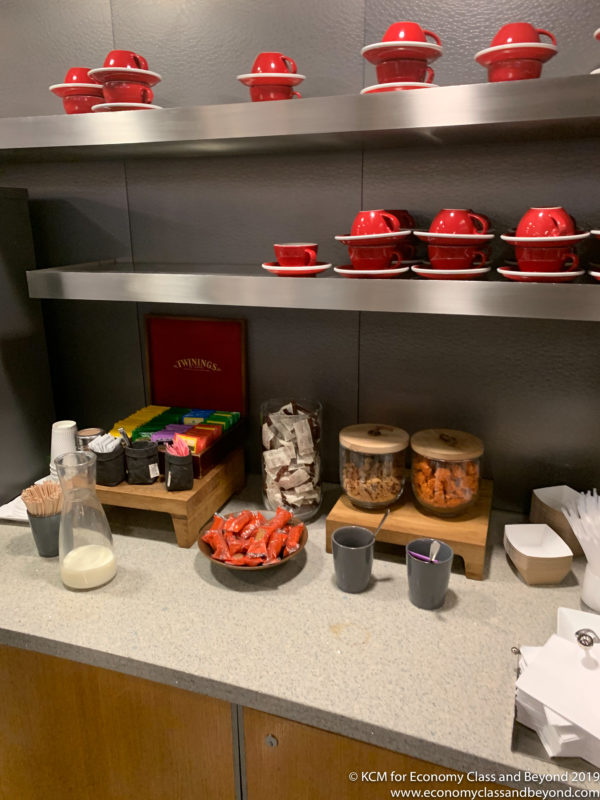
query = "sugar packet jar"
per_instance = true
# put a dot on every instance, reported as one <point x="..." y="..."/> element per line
<point x="291" y="455"/>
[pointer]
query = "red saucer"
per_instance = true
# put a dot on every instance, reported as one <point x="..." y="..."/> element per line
<point x="105" y="74"/>
<point x="373" y="238"/>
<point x="270" y="79"/>
<point x="454" y="239"/>
<point x="540" y="277"/>
<point x="388" y="51"/>
<point x="71" y="89"/>
<point x="536" y="51"/>
<point x="348" y="271"/>
<point x="449" y="274"/>
<point x="295" y="272"/>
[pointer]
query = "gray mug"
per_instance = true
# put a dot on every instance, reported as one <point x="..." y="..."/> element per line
<point x="352" y="557"/>
<point x="428" y="581"/>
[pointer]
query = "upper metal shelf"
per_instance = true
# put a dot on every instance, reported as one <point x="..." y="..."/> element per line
<point x="517" y="109"/>
<point x="243" y="286"/>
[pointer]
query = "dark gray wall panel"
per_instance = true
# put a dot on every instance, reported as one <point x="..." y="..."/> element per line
<point x="502" y="181"/>
<point x="25" y="391"/>
<point x="199" y="46"/>
<point x="232" y="210"/>
<point x="294" y="354"/>
<point x="78" y="211"/>
<point x="529" y="388"/>
<point x="96" y="362"/>
<point x="39" y="41"/>
<point x="466" y="28"/>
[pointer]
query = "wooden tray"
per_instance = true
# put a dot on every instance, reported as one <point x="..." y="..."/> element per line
<point x="466" y="534"/>
<point x="190" y="509"/>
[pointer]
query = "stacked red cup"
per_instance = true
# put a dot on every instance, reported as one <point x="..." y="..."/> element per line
<point x="402" y="59"/>
<point x="517" y="53"/>
<point x="377" y="244"/>
<point x="457" y="242"/>
<point x="544" y="246"/>
<point x="126" y="82"/>
<point x="79" y="92"/>
<point x="273" y="77"/>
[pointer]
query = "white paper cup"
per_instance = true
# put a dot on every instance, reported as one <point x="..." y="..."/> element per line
<point x="63" y="439"/>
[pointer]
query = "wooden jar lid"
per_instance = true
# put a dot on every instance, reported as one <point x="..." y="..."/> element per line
<point x="444" y="444"/>
<point x="374" y="439"/>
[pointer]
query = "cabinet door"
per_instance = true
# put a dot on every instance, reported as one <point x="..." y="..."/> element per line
<point x="69" y="731"/>
<point x="288" y="760"/>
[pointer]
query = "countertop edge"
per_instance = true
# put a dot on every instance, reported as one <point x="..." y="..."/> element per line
<point x="297" y="712"/>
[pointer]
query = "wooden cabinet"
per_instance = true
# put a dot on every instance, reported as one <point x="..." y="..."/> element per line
<point x="69" y="731"/>
<point x="290" y="761"/>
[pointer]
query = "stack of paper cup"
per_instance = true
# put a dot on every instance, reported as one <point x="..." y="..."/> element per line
<point x="63" y="441"/>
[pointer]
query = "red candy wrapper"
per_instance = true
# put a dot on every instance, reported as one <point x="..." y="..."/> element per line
<point x="293" y="539"/>
<point x="248" y="539"/>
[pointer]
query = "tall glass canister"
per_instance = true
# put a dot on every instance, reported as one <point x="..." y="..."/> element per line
<point x="85" y="542"/>
<point x="291" y="455"/>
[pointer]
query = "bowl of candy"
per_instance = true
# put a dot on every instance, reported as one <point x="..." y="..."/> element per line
<point x="247" y="540"/>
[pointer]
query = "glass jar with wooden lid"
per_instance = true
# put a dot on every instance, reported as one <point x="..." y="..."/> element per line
<point x="445" y="470"/>
<point x="373" y="464"/>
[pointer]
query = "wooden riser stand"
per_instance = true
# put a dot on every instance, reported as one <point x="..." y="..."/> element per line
<point x="190" y="509"/>
<point x="466" y="534"/>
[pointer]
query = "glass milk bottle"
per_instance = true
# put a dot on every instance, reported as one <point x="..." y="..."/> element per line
<point x="85" y="542"/>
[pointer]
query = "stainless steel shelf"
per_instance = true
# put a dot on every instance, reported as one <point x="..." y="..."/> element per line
<point x="248" y="286"/>
<point x="517" y="109"/>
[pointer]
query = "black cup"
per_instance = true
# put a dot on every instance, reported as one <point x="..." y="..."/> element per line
<point x="110" y="467"/>
<point x="179" y="472"/>
<point x="142" y="462"/>
<point x="427" y="580"/>
<point x="352" y="548"/>
<point x="45" y="534"/>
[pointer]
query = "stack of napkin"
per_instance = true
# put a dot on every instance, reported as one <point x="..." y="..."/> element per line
<point x="558" y="695"/>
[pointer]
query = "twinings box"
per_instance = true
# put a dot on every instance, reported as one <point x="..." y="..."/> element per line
<point x="199" y="363"/>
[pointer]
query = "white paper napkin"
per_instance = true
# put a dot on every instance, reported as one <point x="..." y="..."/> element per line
<point x="566" y="680"/>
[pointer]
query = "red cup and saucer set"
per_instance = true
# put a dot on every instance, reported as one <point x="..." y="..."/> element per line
<point x="517" y="52"/>
<point x="457" y="242"/>
<point x="296" y="260"/>
<point x="544" y="242"/>
<point x="402" y="60"/>
<point x="377" y="244"/>
<point x="79" y="92"/>
<point x="273" y="77"/>
<point x="124" y="83"/>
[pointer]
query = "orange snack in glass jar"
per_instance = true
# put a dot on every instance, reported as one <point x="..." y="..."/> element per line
<point x="445" y="470"/>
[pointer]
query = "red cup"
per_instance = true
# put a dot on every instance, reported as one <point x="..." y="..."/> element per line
<point x="367" y="223"/>
<point x="379" y="257"/>
<point x="125" y="59"/>
<point x="546" y="222"/>
<point x="520" y="33"/>
<point x="409" y="32"/>
<point x="546" y="259"/>
<point x="515" y="69"/>
<point x="399" y="70"/>
<point x="273" y="62"/>
<point x="404" y="218"/>
<point x="459" y="220"/>
<point x="80" y="103"/>
<point x="80" y="75"/>
<point x="296" y="254"/>
<point x="443" y="256"/>
<point x="260" y="93"/>
<point x="127" y="92"/>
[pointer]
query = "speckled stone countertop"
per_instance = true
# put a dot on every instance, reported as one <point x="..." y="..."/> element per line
<point x="436" y="685"/>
